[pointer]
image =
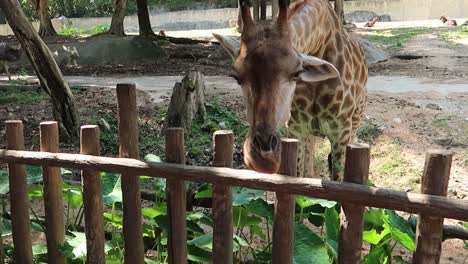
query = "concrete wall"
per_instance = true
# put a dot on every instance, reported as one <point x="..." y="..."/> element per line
<point x="216" y="18"/>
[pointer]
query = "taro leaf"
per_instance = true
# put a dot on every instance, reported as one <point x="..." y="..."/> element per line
<point x="77" y="244"/>
<point x="401" y="229"/>
<point x="377" y="255"/>
<point x="242" y="218"/>
<point x="6" y="228"/>
<point x="242" y="196"/>
<point x="305" y="202"/>
<point x="163" y="222"/>
<point x="374" y="237"/>
<point x="147" y="261"/>
<point x="4" y="182"/>
<point x="116" y="220"/>
<point x="38" y="226"/>
<point x="197" y="254"/>
<point x="152" y="158"/>
<point x="258" y="231"/>
<point x="316" y="219"/>
<point x="261" y="208"/>
<point x="150" y="213"/>
<point x="332" y="223"/>
<point x="35" y="192"/>
<point x="204" y="242"/>
<point x="111" y="188"/>
<point x="309" y="248"/>
<point x="74" y="198"/>
<point x="373" y="219"/>
<point x="208" y="193"/>
<point x="39" y="250"/>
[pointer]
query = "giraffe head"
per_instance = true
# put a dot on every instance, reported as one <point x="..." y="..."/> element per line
<point x="267" y="67"/>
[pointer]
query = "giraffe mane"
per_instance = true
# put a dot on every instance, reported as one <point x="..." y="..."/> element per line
<point x="295" y="7"/>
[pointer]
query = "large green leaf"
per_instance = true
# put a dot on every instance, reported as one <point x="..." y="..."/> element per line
<point x="38" y="250"/>
<point x="377" y="255"/>
<point x="401" y="229"/>
<point x="152" y="158"/>
<point x="242" y="217"/>
<point x="332" y="224"/>
<point x="34" y="175"/>
<point x="197" y="254"/>
<point x="242" y="196"/>
<point x="75" y="247"/>
<point x="205" y="242"/>
<point x="374" y="219"/>
<point x="111" y="188"/>
<point x="116" y="220"/>
<point x="73" y="197"/>
<point x="261" y="208"/>
<point x="35" y="192"/>
<point x="150" y="213"/>
<point x="305" y="202"/>
<point x="374" y="237"/>
<point x="309" y="248"/>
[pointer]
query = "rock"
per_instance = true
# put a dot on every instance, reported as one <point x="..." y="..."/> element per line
<point x="374" y="53"/>
<point x="397" y="120"/>
<point x="433" y="106"/>
<point x="360" y="16"/>
<point x="385" y="18"/>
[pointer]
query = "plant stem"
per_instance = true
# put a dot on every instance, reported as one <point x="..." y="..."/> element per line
<point x="267" y="226"/>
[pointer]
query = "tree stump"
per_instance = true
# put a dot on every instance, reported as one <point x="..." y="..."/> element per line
<point x="187" y="101"/>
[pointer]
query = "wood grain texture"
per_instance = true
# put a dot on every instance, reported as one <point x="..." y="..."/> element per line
<point x="53" y="197"/>
<point x="283" y="228"/>
<point x="352" y="215"/>
<point x="176" y="199"/>
<point x="429" y="228"/>
<point x="128" y="137"/>
<point x="19" y="200"/>
<point x="324" y="189"/>
<point x="223" y="144"/>
<point x="92" y="199"/>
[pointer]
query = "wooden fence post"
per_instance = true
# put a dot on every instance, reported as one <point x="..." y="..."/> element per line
<point x="92" y="198"/>
<point x="128" y="137"/>
<point x="429" y="228"/>
<point x="176" y="199"/>
<point x="274" y="10"/>
<point x="223" y="142"/>
<point x="256" y="10"/>
<point x="53" y="198"/>
<point x="283" y="228"/>
<point x="352" y="216"/>
<point x="19" y="200"/>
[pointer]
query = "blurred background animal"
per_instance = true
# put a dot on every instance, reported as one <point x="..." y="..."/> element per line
<point x="9" y="54"/>
<point x="372" y="22"/>
<point x="448" y="22"/>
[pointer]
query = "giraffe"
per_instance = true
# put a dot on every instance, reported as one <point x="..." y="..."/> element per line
<point x="303" y="72"/>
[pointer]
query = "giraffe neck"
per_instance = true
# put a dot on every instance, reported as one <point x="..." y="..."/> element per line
<point x="312" y="25"/>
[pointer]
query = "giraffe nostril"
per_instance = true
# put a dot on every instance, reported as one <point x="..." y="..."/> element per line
<point x="273" y="142"/>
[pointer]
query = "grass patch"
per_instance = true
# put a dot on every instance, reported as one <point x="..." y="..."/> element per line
<point x="391" y="167"/>
<point x="74" y="32"/>
<point x="368" y="132"/>
<point x="452" y="127"/>
<point x="394" y="38"/>
<point x="461" y="33"/>
<point x="13" y="95"/>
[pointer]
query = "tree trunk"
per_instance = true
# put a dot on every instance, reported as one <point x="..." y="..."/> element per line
<point x="339" y="10"/>
<point x="117" y="23"/>
<point x="144" y="22"/>
<point x="45" y="28"/>
<point x="47" y="70"/>
<point x="239" y="17"/>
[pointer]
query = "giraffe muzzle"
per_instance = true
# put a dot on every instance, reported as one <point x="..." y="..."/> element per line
<point x="262" y="150"/>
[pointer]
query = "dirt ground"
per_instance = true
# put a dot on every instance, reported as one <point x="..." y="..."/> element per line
<point x="407" y="124"/>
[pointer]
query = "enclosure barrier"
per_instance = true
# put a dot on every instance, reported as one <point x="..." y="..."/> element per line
<point x="353" y="194"/>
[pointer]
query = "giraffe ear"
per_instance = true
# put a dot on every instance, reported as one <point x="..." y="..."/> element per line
<point x="315" y="69"/>
<point x="230" y="43"/>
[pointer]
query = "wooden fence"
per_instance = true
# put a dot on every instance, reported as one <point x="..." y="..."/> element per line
<point x="354" y="194"/>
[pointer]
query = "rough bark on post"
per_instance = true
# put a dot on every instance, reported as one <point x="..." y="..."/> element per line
<point x="187" y="101"/>
<point x="283" y="229"/>
<point x="144" y="22"/>
<point x="429" y="228"/>
<point x="19" y="202"/>
<point x="352" y="215"/>
<point x="117" y="22"/>
<point x="45" y="26"/>
<point x="47" y="70"/>
<point x="53" y="198"/>
<point x="223" y="143"/>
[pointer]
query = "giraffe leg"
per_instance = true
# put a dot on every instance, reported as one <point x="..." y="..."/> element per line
<point x="300" y="159"/>
<point x="337" y="161"/>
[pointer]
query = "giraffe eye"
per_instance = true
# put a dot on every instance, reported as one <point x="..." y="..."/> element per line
<point x="295" y="75"/>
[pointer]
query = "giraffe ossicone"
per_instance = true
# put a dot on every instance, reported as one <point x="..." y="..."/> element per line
<point x="303" y="71"/>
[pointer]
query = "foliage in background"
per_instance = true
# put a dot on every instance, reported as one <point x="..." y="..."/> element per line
<point x="394" y="38"/>
<point x="72" y="31"/>
<point x="460" y="33"/>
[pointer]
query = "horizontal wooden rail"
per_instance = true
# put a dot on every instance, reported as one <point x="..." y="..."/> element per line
<point x="338" y="191"/>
